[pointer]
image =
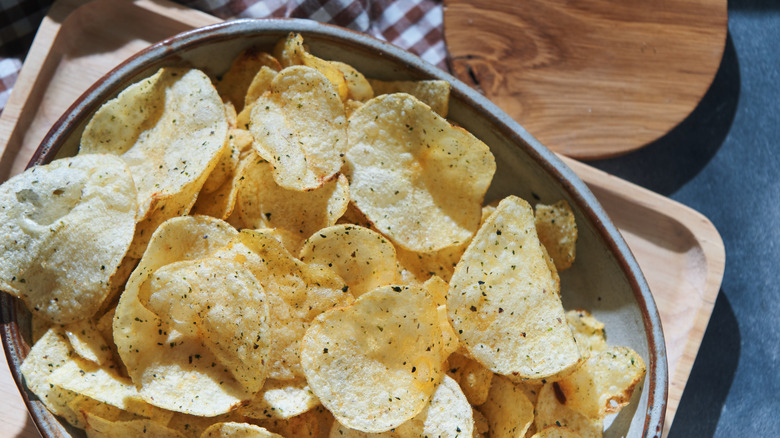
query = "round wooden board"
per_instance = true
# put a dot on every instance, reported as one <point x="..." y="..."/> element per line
<point x="590" y="78"/>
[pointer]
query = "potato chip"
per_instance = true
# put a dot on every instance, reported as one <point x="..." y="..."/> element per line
<point x="437" y="289"/>
<point x="507" y="409"/>
<point x="440" y="263"/>
<point x="233" y="85"/>
<point x="358" y="87"/>
<point x="420" y="180"/>
<point x="292" y="52"/>
<point x="315" y="423"/>
<point x="300" y="128"/>
<point x="556" y="432"/>
<point x="281" y="399"/>
<point x="262" y="203"/>
<point x="172" y="134"/>
<point x="103" y="384"/>
<point x="448" y="414"/>
<point x="66" y="227"/>
<point x="84" y="406"/>
<point x="587" y="330"/>
<point x="237" y="430"/>
<point x="259" y="86"/>
<point x="87" y="342"/>
<point x="100" y="427"/>
<point x="472" y="377"/>
<point x="481" y="424"/>
<point x="296" y="294"/>
<point x="194" y="426"/>
<point x="363" y="258"/>
<point x="558" y="232"/>
<point x="550" y="411"/>
<point x="502" y="302"/>
<point x="220" y="304"/>
<point x="46" y="356"/>
<point x="434" y="93"/>
<point x="376" y="363"/>
<point x="162" y="362"/>
<point x="604" y="383"/>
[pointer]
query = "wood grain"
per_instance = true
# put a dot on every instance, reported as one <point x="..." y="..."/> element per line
<point x="678" y="249"/>
<point x="591" y="78"/>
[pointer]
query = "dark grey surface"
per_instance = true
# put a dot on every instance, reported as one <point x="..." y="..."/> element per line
<point x="724" y="161"/>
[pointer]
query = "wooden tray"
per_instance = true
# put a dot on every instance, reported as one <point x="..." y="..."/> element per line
<point x="679" y="250"/>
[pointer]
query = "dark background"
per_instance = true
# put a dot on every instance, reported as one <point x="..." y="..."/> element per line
<point x="724" y="161"/>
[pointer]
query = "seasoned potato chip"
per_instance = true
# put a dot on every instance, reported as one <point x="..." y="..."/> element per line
<point x="233" y="85"/>
<point x="434" y="93"/>
<point x="281" y="399"/>
<point x="362" y="257"/>
<point x="376" y="363"/>
<point x="419" y="179"/>
<point x="472" y="377"/>
<point x="558" y="232"/>
<point x="440" y="263"/>
<point x="162" y="361"/>
<point x="556" y="432"/>
<point x="50" y="353"/>
<point x="358" y="87"/>
<point x="507" y="409"/>
<point x="296" y="293"/>
<point x="550" y="411"/>
<point x="588" y="331"/>
<point x="315" y="423"/>
<point x="220" y="304"/>
<point x="84" y="406"/>
<point x="262" y="203"/>
<point x="604" y="383"/>
<point x="292" y="51"/>
<point x="481" y="424"/>
<point x="100" y="427"/>
<point x="437" y="289"/>
<point x="502" y="303"/>
<point x="448" y="414"/>
<point x="172" y="134"/>
<point x="66" y="227"/>
<point x="87" y="341"/>
<point x="237" y="430"/>
<point x="260" y="85"/>
<point x="300" y="128"/>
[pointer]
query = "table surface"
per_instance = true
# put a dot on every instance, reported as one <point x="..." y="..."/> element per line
<point x="722" y="161"/>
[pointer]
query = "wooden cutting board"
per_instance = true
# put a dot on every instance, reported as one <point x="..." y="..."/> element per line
<point x="589" y="78"/>
<point x="679" y="250"/>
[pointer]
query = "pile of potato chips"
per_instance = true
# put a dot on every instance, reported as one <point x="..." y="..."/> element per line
<point x="292" y="249"/>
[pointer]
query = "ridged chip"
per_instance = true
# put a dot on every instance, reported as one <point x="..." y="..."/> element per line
<point x="363" y="258"/>
<point x="66" y="227"/>
<point x="420" y="180"/>
<point x="376" y="363"/>
<point x="503" y="304"/>
<point x="172" y="132"/>
<point x="300" y="128"/>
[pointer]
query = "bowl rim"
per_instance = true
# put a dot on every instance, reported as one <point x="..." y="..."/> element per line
<point x="158" y="53"/>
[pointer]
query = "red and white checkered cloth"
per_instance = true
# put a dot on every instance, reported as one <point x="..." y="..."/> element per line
<point x="414" y="25"/>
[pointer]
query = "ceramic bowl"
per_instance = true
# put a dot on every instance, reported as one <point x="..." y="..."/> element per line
<point x="605" y="279"/>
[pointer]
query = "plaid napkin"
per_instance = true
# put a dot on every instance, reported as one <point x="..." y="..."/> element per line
<point x="414" y="25"/>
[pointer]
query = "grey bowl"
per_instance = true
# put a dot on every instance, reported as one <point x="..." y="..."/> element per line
<point x="606" y="278"/>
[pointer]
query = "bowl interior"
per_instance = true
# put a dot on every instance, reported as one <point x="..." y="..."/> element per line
<point x="605" y="279"/>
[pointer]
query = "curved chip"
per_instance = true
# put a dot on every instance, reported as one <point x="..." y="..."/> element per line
<point x="296" y="294"/>
<point x="558" y="232"/>
<point x="300" y="128"/>
<point x="435" y="93"/>
<point x="262" y="203"/>
<point x="376" y="363"/>
<point x="172" y="133"/>
<point x="281" y="399"/>
<point x="163" y="362"/>
<point x="472" y="376"/>
<point x="292" y="51"/>
<point x="551" y="411"/>
<point x="502" y="300"/>
<point x="588" y="331"/>
<point x="237" y="430"/>
<point x="420" y="180"/>
<point x="604" y="383"/>
<point x="507" y="409"/>
<point x="233" y="85"/>
<point x="362" y="257"/>
<point x="447" y="415"/>
<point x="65" y="229"/>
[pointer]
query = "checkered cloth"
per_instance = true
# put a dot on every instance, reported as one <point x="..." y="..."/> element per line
<point x="414" y="25"/>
